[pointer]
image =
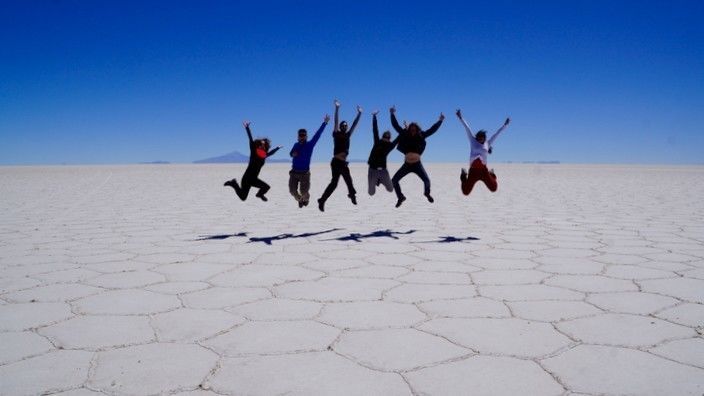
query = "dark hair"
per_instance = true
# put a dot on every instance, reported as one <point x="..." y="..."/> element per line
<point x="414" y="125"/>
<point x="302" y="132"/>
<point x="386" y="133"/>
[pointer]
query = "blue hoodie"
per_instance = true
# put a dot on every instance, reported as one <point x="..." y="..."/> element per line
<point x="301" y="162"/>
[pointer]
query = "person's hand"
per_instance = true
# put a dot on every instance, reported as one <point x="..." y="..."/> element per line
<point x="459" y="113"/>
<point x="375" y="112"/>
<point x="442" y="117"/>
<point x="392" y="110"/>
<point x="359" y="109"/>
<point x="294" y="154"/>
<point x="508" y="121"/>
<point x="246" y="124"/>
<point x="405" y="124"/>
<point x="327" y="117"/>
<point x="337" y="103"/>
<point x="279" y="147"/>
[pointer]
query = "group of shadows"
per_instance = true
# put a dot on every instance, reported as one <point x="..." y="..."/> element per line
<point x="355" y="236"/>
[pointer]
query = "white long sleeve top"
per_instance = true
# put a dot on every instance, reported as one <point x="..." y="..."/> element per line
<point x="479" y="150"/>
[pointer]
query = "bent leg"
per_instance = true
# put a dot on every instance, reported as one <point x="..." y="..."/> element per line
<point x="420" y="171"/>
<point x="347" y="177"/>
<point x="371" y="179"/>
<point x="293" y="185"/>
<point x="333" y="182"/>
<point x="490" y="180"/>
<point x="261" y="185"/>
<point x="305" y="187"/>
<point x="385" y="180"/>
<point x="400" y="174"/>
<point x="243" y="190"/>
<point x="475" y="174"/>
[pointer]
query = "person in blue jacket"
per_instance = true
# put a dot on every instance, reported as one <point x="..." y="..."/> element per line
<point x="301" y="152"/>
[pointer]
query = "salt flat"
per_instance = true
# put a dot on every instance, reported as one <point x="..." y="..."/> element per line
<point x="571" y="279"/>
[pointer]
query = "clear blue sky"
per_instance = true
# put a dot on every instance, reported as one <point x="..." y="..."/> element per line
<point x="124" y="82"/>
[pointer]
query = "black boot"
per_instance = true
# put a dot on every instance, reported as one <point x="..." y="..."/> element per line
<point x="321" y="205"/>
<point x="400" y="201"/>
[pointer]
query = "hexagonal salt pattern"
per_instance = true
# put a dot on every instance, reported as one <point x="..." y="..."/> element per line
<point x="582" y="286"/>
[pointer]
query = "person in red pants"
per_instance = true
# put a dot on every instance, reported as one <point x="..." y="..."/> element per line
<point x="480" y="148"/>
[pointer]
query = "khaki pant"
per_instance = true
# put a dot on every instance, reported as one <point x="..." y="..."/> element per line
<point x="379" y="176"/>
<point x="299" y="185"/>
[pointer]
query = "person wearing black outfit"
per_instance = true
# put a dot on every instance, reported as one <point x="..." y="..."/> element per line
<point x="412" y="144"/>
<point x="378" y="174"/>
<point x="339" y="165"/>
<point x="258" y="152"/>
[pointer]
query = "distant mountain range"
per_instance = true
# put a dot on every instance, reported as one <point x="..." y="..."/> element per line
<point x="234" y="157"/>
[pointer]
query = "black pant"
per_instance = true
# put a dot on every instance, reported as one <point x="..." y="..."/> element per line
<point x="407" y="168"/>
<point x="249" y="181"/>
<point x="339" y="168"/>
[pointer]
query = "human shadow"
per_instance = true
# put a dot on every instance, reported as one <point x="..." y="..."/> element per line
<point x="220" y="236"/>
<point x="270" y="239"/>
<point x="451" y="239"/>
<point x="357" y="237"/>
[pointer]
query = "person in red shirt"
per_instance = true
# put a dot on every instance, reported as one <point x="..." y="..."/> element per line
<point x="258" y="152"/>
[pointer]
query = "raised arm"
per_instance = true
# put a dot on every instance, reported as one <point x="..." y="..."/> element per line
<point x="394" y="121"/>
<point x="249" y="134"/>
<point x="375" y="127"/>
<point x="435" y="126"/>
<point x="337" y="116"/>
<point x="496" y="134"/>
<point x="320" y="130"/>
<point x="470" y="135"/>
<point x="356" y="121"/>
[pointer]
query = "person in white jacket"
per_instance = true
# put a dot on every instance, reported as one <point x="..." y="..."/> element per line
<point x="480" y="149"/>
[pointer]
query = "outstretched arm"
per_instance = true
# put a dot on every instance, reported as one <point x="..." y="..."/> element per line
<point x="272" y="151"/>
<point x="356" y="121"/>
<point x="375" y="127"/>
<point x="320" y="130"/>
<point x="466" y="126"/>
<point x="394" y="121"/>
<point x="435" y="126"/>
<point x="496" y="134"/>
<point x="337" y="116"/>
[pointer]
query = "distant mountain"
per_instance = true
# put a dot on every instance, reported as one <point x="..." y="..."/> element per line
<point x="234" y="157"/>
<point x="155" y="163"/>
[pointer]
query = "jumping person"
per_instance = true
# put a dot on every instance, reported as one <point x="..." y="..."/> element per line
<point x="378" y="174"/>
<point x="480" y="148"/>
<point x="339" y="165"/>
<point x="258" y="153"/>
<point x="412" y="144"/>
<point x="299" y="176"/>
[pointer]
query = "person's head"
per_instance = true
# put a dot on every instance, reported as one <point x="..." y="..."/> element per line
<point x="386" y="136"/>
<point x="413" y="128"/>
<point x="302" y="135"/>
<point x="265" y="144"/>
<point x="481" y="136"/>
<point x="343" y="126"/>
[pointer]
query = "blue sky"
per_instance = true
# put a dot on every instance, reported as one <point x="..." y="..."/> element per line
<point x="125" y="82"/>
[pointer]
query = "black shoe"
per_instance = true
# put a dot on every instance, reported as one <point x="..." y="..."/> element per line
<point x="321" y="205"/>
<point x="463" y="175"/>
<point x="305" y="203"/>
<point x="353" y="198"/>
<point x="262" y="197"/>
<point x="400" y="201"/>
<point x="229" y="183"/>
<point x="430" y="198"/>
<point x="300" y="204"/>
